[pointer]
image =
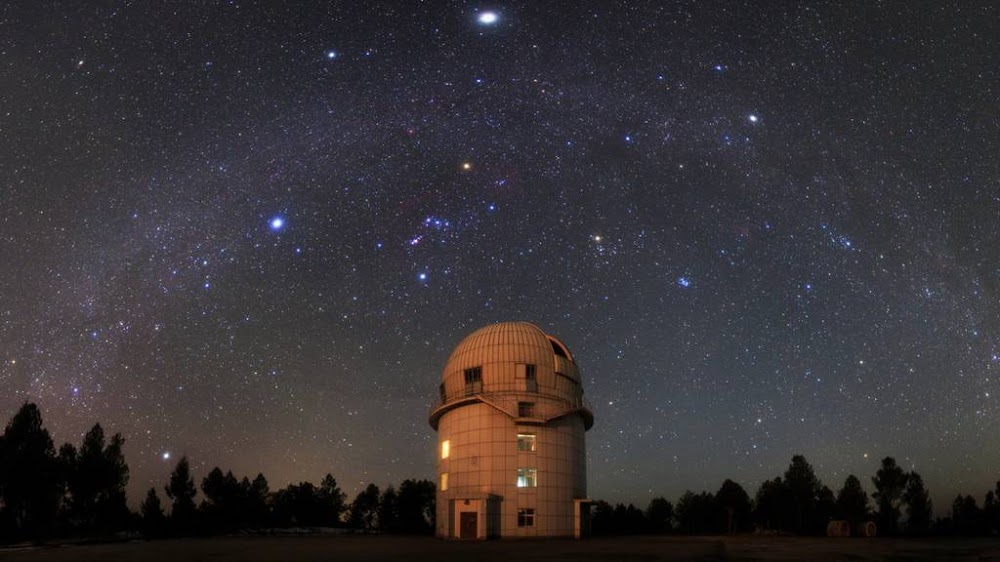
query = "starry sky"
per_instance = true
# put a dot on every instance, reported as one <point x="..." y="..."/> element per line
<point x="252" y="232"/>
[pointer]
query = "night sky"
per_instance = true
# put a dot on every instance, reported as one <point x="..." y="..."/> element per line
<point x="252" y="232"/>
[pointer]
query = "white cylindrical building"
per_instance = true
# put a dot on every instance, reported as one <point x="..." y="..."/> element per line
<point x="511" y="421"/>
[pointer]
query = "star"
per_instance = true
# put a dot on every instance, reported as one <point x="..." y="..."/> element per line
<point x="753" y="118"/>
<point x="276" y="223"/>
<point x="488" y="18"/>
<point x="330" y="55"/>
<point x="684" y="282"/>
<point x="165" y="455"/>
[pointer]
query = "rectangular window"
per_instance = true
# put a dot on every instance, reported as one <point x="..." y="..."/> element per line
<point x="527" y="477"/>
<point x="526" y="442"/>
<point x="444" y="481"/>
<point x="526" y="517"/>
<point x="530" y="382"/>
<point x="473" y="380"/>
<point x="474" y="374"/>
<point x="525" y="409"/>
<point x="445" y="448"/>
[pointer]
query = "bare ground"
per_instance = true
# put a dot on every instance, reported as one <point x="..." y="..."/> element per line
<point x="416" y="549"/>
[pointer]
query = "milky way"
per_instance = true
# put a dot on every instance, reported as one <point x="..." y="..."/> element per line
<point x="251" y="233"/>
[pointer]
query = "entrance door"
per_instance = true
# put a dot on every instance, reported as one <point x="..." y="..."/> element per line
<point x="468" y="524"/>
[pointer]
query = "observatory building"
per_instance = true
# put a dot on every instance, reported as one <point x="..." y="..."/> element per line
<point x="511" y="421"/>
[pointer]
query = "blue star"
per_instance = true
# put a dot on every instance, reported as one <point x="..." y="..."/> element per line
<point x="276" y="223"/>
<point x="422" y="276"/>
<point x="488" y="18"/>
<point x="684" y="282"/>
<point x="330" y="55"/>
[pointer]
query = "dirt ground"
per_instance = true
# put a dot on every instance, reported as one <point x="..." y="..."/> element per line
<point x="416" y="549"/>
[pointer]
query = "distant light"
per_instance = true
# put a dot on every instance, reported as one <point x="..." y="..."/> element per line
<point x="466" y="166"/>
<point x="684" y="282"/>
<point x="422" y="276"/>
<point x="331" y="55"/>
<point x="165" y="456"/>
<point x="276" y="223"/>
<point x="753" y="118"/>
<point x="488" y="18"/>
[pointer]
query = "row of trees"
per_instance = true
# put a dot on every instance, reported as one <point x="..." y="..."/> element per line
<point x="230" y="504"/>
<point x="799" y="503"/>
<point x="44" y="493"/>
<point x="81" y="492"/>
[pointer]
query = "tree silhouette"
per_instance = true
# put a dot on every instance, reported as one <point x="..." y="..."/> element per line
<point x="967" y="517"/>
<point x="388" y="511"/>
<point x="181" y="490"/>
<point x="734" y="507"/>
<point x="225" y="504"/>
<point x="364" y="509"/>
<point x="416" y="506"/>
<point x="153" y="520"/>
<point x="257" y="502"/>
<point x="96" y="476"/>
<point x="852" y="502"/>
<point x="826" y="507"/>
<point x="803" y="487"/>
<point x="774" y="505"/>
<point x="697" y="513"/>
<point x="660" y="515"/>
<point x="30" y="479"/>
<point x="332" y="499"/>
<point x="991" y="510"/>
<point x="919" y="510"/>
<point x="890" y="483"/>
<point x="602" y="516"/>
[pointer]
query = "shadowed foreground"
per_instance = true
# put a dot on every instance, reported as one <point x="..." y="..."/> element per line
<point x="350" y="548"/>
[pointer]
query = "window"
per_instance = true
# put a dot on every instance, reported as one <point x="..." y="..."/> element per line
<point x="530" y="382"/>
<point x="474" y="374"/>
<point x="474" y="380"/>
<point x="525" y="409"/>
<point x="527" y="477"/>
<point x="444" y="481"/>
<point x="445" y="448"/>
<point x="526" y="517"/>
<point x="526" y="442"/>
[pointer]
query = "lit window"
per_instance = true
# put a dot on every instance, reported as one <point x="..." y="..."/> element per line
<point x="527" y="477"/>
<point x="526" y="517"/>
<point x="525" y="409"/>
<point x="526" y="442"/>
<point x="444" y="481"/>
<point x="445" y="448"/>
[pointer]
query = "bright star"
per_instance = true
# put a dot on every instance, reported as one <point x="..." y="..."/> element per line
<point x="753" y="118"/>
<point x="276" y="223"/>
<point x="684" y="282"/>
<point x="488" y="18"/>
<point x="422" y="276"/>
<point x="331" y="55"/>
<point x="165" y="456"/>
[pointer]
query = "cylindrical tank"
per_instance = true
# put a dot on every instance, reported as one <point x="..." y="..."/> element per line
<point x="511" y="420"/>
